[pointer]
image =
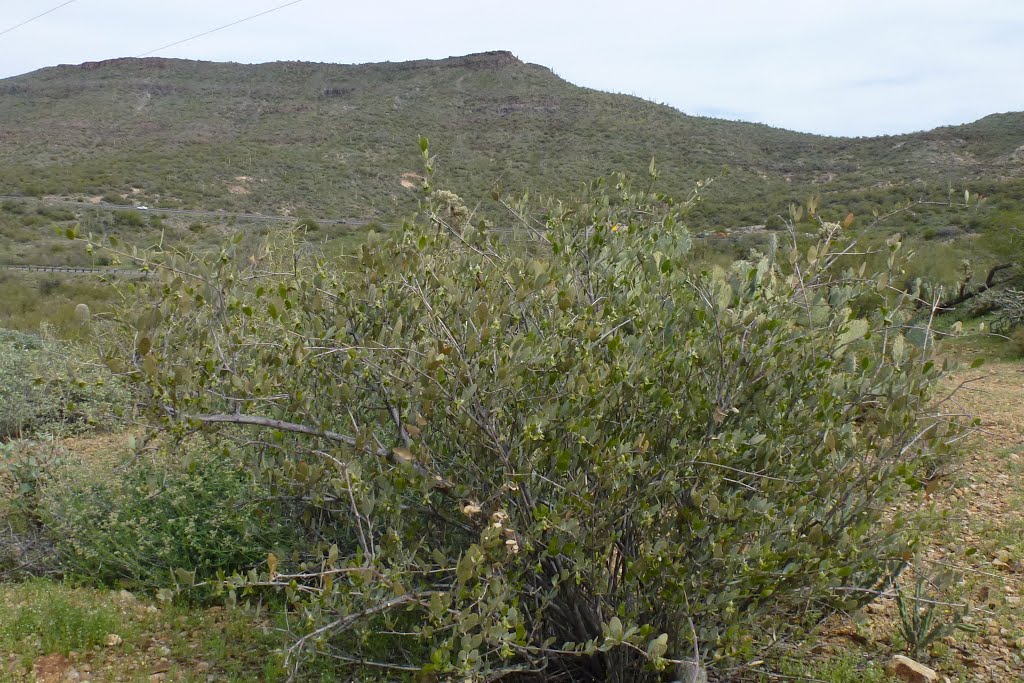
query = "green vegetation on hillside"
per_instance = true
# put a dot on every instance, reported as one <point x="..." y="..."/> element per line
<point x="335" y="139"/>
<point x="323" y="140"/>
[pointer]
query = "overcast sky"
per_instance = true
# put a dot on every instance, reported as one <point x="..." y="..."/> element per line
<point x="839" y="67"/>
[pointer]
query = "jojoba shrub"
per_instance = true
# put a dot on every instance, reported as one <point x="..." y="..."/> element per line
<point x="557" y="451"/>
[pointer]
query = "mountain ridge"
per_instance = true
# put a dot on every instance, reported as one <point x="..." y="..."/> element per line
<point x="337" y="139"/>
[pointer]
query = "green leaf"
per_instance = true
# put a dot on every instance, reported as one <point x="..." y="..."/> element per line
<point x="184" y="577"/>
<point x="898" y="347"/>
<point x="713" y="504"/>
<point x="855" y="329"/>
<point x="657" y="647"/>
<point x="615" y="628"/>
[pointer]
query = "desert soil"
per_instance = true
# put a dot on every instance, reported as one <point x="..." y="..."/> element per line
<point x="979" y="536"/>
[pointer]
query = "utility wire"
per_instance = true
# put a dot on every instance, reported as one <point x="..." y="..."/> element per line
<point x="38" y="16"/>
<point x="219" y="28"/>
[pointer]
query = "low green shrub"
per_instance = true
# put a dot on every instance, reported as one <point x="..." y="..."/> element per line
<point x="161" y="524"/>
<point x="27" y="464"/>
<point x="56" y="620"/>
<point x="48" y="385"/>
<point x="129" y="219"/>
<point x="25" y="467"/>
<point x="847" y="667"/>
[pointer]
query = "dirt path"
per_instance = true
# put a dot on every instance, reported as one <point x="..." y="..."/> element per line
<point x="977" y="534"/>
<point x="986" y="504"/>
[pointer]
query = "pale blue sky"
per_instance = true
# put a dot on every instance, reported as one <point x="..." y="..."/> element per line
<point x="840" y="67"/>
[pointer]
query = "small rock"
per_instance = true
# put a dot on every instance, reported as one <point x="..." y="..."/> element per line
<point x="908" y="670"/>
<point x="203" y="666"/>
<point x="157" y="677"/>
<point x="125" y="596"/>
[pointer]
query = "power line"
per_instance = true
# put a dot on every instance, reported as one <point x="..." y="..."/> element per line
<point x="219" y="28"/>
<point x="38" y="16"/>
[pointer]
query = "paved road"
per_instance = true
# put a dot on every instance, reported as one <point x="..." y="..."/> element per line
<point x="104" y="206"/>
<point x="77" y="270"/>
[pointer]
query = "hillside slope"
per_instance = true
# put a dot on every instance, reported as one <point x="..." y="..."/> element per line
<point x="336" y="140"/>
